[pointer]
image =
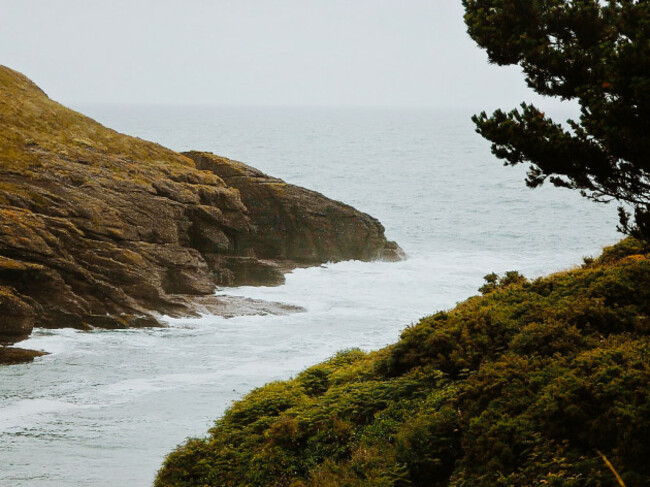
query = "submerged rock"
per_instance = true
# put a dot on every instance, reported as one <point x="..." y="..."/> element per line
<point x="99" y="229"/>
<point x="13" y="356"/>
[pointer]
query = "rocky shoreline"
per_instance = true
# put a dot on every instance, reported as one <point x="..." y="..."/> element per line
<point x="102" y="230"/>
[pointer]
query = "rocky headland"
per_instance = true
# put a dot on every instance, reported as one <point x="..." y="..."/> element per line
<point x="99" y="229"/>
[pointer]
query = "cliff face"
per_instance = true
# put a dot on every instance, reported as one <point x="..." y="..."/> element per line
<point x="297" y="224"/>
<point x="99" y="229"/>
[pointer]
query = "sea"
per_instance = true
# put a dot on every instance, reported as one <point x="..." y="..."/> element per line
<point x="105" y="407"/>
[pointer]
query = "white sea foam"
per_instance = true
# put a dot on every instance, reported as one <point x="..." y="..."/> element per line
<point x="29" y="411"/>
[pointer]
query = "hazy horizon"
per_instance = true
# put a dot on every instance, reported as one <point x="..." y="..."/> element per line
<point x="372" y="53"/>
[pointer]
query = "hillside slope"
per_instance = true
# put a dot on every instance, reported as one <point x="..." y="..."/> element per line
<point x="99" y="229"/>
<point x="532" y="383"/>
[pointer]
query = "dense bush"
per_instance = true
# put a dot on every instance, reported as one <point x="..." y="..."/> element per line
<point x="525" y="385"/>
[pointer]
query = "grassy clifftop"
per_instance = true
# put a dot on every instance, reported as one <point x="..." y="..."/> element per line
<point x="532" y="383"/>
<point x="33" y="124"/>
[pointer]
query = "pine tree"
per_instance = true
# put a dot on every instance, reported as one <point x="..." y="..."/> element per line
<point x="594" y="52"/>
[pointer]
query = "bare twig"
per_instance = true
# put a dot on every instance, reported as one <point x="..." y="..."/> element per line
<point x="611" y="467"/>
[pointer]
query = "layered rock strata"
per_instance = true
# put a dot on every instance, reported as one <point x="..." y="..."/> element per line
<point x="99" y="229"/>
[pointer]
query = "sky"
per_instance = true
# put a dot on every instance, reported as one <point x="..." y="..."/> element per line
<point x="404" y="53"/>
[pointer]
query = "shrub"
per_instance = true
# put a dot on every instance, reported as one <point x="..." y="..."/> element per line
<point x="524" y="385"/>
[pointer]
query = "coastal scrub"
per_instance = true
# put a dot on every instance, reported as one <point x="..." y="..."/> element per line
<point x="531" y="383"/>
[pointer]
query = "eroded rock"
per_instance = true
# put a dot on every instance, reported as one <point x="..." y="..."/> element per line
<point x="294" y="223"/>
<point x="99" y="229"/>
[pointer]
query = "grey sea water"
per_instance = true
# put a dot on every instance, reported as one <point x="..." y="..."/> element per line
<point x="106" y="406"/>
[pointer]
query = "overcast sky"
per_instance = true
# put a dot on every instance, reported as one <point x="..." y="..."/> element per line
<point x="254" y="52"/>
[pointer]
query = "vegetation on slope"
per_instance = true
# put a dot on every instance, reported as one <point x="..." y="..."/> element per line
<point x="532" y="383"/>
